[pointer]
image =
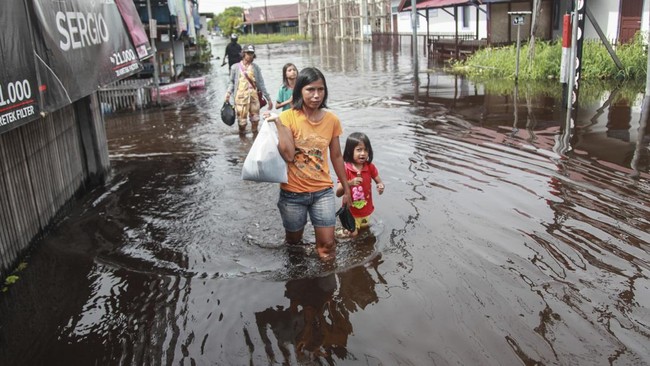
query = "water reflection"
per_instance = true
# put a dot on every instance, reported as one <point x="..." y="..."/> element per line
<point x="317" y="322"/>
<point x="493" y="244"/>
<point x="601" y="130"/>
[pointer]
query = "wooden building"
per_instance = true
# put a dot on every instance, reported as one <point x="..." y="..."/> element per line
<point x="52" y="137"/>
<point x="344" y="19"/>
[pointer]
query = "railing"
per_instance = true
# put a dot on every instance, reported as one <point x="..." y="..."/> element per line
<point x="399" y="38"/>
<point x="436" y="45"/>
<point x="441" y="35"/>
<point x="452" y="48"/>
<point x="125" y="95"/>
<point x="289" y="30"/>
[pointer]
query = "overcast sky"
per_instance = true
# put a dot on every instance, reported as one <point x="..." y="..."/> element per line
<point x="217" y="6"/>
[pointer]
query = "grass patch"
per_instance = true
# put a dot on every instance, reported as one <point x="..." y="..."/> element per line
<point x="13" y="277"/>
<point x="591" y="92"/>
<point x="597" y="64"/>
<point x="270" y="38"/>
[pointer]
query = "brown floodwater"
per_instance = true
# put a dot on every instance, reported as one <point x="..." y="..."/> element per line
<point x="503" y="238"/>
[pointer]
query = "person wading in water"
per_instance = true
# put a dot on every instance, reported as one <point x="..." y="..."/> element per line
<point x="233" y="52"/>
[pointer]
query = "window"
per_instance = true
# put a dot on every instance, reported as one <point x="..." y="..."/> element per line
<point x="556" y="16"/>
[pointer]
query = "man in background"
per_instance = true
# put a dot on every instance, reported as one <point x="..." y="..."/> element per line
<point x="233" y="51"/>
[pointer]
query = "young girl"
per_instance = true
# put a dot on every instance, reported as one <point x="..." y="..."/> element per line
<point x="285" y="95"/>
<point x="360" y="170"/>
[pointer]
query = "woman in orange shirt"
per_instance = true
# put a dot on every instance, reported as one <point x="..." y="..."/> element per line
<point x="307" y="134"/>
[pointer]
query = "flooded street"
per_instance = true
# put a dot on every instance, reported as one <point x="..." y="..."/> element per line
<point x="502" y="238"/>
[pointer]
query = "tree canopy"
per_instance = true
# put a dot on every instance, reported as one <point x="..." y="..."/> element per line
<point x="231" y="19"/>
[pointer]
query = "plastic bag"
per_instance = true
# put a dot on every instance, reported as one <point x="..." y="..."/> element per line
<point x="227" y="113"/>
<point x="347" y="220"/>
<point x="264" y="162"/>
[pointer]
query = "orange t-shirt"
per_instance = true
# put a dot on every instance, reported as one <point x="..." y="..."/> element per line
<point x="309" y="171"/>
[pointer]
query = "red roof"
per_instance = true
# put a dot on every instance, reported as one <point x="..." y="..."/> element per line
<point x="276" y="13"/>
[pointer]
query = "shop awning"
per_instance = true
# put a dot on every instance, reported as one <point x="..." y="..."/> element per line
<point x="405" y="5"/>
<point x="433" y="4"/>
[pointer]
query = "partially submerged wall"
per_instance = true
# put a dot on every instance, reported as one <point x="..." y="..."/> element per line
<point x="43" y="165"/>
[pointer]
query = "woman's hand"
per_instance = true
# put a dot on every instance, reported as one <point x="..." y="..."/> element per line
<point x="355" y="181"/>
<point x="227" y="97"/>
<point x="270" y="117"/>
<point x="346" y="199"/>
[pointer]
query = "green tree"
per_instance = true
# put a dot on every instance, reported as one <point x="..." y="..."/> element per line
<point x="230" y="20"/>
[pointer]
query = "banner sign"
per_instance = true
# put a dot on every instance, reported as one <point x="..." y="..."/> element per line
<point x="132" y="21"/>
<point x="19" y="95"/>
<point x="80" y="45"/>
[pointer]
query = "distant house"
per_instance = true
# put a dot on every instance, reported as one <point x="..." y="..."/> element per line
<point x="175" y="30"/>
<point x="271" y="19"/>
<point x="489" y="19"/>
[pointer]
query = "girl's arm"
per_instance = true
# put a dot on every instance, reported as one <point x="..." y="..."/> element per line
<point x="380" y="184"/>
<point x="279" y="105"/>
<point x="279" y="102"/>
<point x="339" y="168"/>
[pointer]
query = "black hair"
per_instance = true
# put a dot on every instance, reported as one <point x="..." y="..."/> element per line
<point x="351" y="143"/>
<point x="285" y="82"/>
<point x="305" y="77"/>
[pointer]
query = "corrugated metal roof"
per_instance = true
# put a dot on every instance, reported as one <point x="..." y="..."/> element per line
<point x="275" y="13"/>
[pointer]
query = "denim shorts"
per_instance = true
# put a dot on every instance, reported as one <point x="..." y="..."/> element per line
<point x="295" y="206"/>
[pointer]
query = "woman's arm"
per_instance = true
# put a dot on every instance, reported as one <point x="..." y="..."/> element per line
<point x="259" y="80"/>
<point x="231" y="82"/>
<point x="339" y="168"/>
<point x="339" y="189"/>
<point x="286" y="145"/>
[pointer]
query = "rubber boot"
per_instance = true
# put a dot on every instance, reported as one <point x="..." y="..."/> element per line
<point x="242" y="129"/>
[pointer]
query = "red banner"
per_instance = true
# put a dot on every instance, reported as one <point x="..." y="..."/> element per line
<point x="132" y="21"/>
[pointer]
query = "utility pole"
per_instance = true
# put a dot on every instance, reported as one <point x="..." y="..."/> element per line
<point x="643" y="123"/>
<point x="414" y="21"/>
<point x="266" y="20"/>
<point x="518" y="20"/>
<point x="152" y="35"/>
